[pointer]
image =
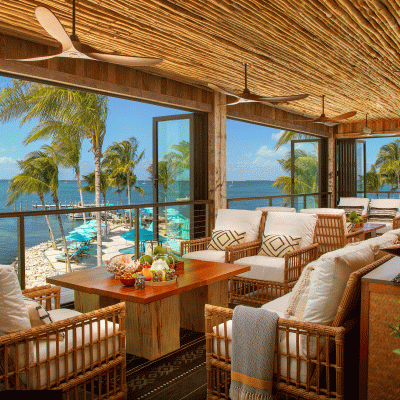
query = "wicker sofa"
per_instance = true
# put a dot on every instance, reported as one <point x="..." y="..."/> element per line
<point x="314" y="355"/>
<point x="83" y="355"/>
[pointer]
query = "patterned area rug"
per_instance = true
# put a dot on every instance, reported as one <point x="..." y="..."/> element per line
<point x="178" y="375"/>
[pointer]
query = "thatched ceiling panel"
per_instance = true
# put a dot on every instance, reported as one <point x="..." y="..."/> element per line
<point x="347" y="50"/>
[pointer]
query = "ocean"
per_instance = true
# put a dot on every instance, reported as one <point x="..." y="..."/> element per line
<point x="36" y="230"/>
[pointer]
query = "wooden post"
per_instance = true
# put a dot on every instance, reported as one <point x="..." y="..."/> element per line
<point x="21" y="251"/>
<point x="217" y="155"/>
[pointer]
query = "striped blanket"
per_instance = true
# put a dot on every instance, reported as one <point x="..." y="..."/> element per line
<point x="252" y="361"/>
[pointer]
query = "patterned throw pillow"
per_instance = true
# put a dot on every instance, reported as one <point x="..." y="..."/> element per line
<point x="38" y="315"/>
<point x="299" y="295"/>
<point x="349" y="209"/>
<point x="382" y="214"/>
<point x="275" y="245"/>
<point x="221" y="239"/>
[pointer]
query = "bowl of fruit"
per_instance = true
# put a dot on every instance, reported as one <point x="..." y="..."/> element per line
<point x="127" y="279"/>
<point x="356" y="220"/>
<point x="121" y="264"/>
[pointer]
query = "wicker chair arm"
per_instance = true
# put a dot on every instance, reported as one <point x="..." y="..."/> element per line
<point x="188" y="246"/>
<point x="48" y="296"/>
<point x="357" y="236"/>
<point x="396" y="223"/>
<point x="296" y="260"/>
<point x="233" y="253"/>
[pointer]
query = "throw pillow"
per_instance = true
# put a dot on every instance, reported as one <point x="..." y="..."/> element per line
<point x="275" y="245"/>
<point x="382" y="214"/>
<point x="223" y="238"/>
<point x="39" y="316"/>
<point x="299" y="294"/>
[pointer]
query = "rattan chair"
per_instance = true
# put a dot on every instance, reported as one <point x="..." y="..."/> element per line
<point x="83" y="364"/>
<point x="328" y="370"/>
<point x="331" y="231"/>
<point x="248" y="290"/>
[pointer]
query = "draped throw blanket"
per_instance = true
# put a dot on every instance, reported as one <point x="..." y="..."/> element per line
<point x="252" y="361"/>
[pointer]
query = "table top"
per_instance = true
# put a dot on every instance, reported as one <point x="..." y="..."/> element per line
<point x="196" y="274"/>
<point x="384" y="273"/>
<point x="370" y="227"/>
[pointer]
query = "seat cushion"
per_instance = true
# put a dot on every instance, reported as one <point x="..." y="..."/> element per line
<point x="82" y="357"/>
<point x="263" y="268"/>
<point x="278" y="209"/>
<point x="206" y="255"/>
<point x="355" y="202"/>
<point x="329" y="279"/>
<point x="293" y="224"/>
<point x="13" y="313"/>
<point x="240" y="221"/>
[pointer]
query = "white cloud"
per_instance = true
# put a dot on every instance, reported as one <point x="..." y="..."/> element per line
<point x="276" y="135"/>
<point x="265" y="152"/>
<point x="7" y="160"/>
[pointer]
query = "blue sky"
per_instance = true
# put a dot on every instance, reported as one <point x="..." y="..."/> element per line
<point x="250" y="154"/>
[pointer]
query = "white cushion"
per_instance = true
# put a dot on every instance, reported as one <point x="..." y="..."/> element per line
<point x="331" y="273"/>
<point x="278" y="305"/>
<point x="354" y="202"/>
<point x="379" y="242"/>
<point x="206" y="255"/>
<point x="263" y="268"/>
<point x="293" y="224"/>
<point x="81" y="337"/>
<point x="385" y="203"/>
<point x="278" y="209"/>
<point x="240" y="221"/>
<point x="13" y="313"/>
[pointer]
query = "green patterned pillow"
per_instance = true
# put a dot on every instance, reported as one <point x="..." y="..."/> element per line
<point x="275" y="245"/>
<point x="221" y="239"/>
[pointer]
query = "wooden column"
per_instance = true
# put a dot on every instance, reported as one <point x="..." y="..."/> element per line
<point x="217" y="155"/>
<point x="332" y="171"/>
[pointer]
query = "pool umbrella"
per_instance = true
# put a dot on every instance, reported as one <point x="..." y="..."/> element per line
<point x="186" y="230"/>
<point x="78" y="237"/>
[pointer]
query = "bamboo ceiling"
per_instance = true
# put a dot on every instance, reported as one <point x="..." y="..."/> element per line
<point x="345" y="49"/>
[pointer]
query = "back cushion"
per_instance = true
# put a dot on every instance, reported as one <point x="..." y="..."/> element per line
<point x="240" y="221"/>
<point x="272" y="208"/>
<point x="354" y="202"/>
<point x="329" y="280"/>
<point x="385" y="203"/>
<point x="293" y="224"/>
<point x="13" y="313"/>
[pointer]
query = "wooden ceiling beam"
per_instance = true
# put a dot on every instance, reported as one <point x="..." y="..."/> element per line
<point x="379" y="127"/>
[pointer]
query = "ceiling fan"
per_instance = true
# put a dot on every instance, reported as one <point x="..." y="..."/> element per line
<point x="247" y="96"/>
<point x="367" y="131"/>
<point x="323" y="119"/>
<point x="71" y="47"/>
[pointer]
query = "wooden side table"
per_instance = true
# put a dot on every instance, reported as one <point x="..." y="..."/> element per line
<point x="379" y="366"/>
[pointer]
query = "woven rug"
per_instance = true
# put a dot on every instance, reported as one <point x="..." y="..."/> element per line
<point x="178" y="375"/>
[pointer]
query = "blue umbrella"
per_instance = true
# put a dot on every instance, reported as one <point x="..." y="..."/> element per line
<point x="144" y="235"/>
<point x="172" y="211"/>
<point x="78" y="237"/>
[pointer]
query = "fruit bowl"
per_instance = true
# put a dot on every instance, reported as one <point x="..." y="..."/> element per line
<point x="120" y="264"/>
<point x="127" y="281"/>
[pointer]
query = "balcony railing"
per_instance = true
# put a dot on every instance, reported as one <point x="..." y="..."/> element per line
<point x="381" y="195"/>
<point x="298" y="201"/>
<point x="198" y="218"/>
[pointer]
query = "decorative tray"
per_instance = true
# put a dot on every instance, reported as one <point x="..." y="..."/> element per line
<point x="395" y="249"/>
<point x="162" y="283"/>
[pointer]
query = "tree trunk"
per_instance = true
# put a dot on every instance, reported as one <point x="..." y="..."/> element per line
<point x="129" y="200"/>
<point x="79" y="183"/>
<point x="105" y="216"/>
<point x="97" y="170"/>
<point x="166" y="213"/>
<point x="53" y="241"/>
<point x="119" y="195"/>
<point x="67" y="264"/>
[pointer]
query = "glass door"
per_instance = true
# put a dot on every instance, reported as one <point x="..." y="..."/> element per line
<point x="361" y="168"/>
<point x="305" y="172"/>
<point x="172" y="176"/>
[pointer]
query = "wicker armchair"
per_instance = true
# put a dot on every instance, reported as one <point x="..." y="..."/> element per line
<point x="250" y="290"/>
<point x="322" y="373"/>
<point x="83" y="355"/>
<point x="331" y="230"/>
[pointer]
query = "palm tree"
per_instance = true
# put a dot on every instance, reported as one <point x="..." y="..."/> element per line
<point x="287" y="136"/>
<point x="90" y="180"/>
<point x="180" y="156"/>
<point x="30" y="181"/>
<point x="373" y="181"/>
<point x="83" y="112"/>
<point x="388" y="162"/>
<point x="122" y="158"/>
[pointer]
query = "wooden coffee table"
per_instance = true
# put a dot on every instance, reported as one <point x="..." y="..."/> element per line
<point x="155" y="315"/>
<point x="370" y="229"/>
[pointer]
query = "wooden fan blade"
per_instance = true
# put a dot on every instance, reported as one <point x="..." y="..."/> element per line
<point x="124" y="60"/>
<point x="220" y="90"/>
<point x="344" y="116"/>
<point x="283" y="99"/>
<point x="236" y="101"/>
<point x="40" y="58"/>
<point x="52" y="26"/>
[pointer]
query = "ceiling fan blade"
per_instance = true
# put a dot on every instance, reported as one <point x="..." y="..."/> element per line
<point x="235" y="101"/>
<point x="220" y="90"/>
<point x="283" y="99"/>
<point x="124" y="60"/>
<point x="40" y="58"/>
<point x="52" y="26"/>
<point x="344" y="116"/>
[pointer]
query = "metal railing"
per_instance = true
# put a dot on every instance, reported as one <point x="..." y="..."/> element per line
<point x="318" y="198"/>
<point x="201" y="218"/>
<point x="390" y="194"/>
